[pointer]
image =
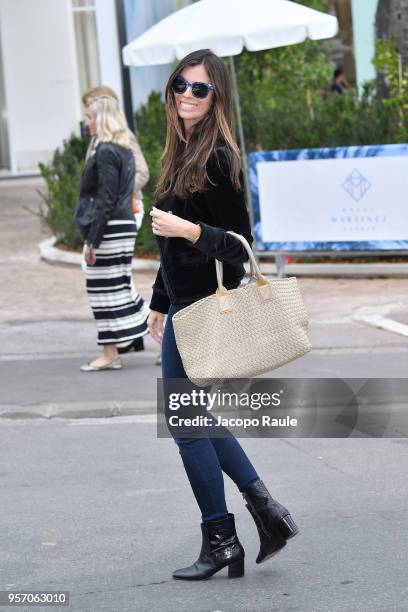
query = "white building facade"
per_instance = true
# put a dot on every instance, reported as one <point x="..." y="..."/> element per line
<point x="50" y="51"/>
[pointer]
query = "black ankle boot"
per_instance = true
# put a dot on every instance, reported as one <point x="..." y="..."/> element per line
<point x="220" y="548"/>
<point x="274" y="523"/>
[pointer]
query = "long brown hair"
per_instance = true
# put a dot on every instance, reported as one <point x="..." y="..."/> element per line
<point x="184" y="161"/>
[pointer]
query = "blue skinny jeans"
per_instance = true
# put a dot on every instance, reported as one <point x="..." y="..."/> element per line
<point x="205" y="459"/>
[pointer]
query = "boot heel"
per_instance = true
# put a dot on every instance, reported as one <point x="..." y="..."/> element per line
<point x="287" y="527"/>
<point x="237" y="569"/>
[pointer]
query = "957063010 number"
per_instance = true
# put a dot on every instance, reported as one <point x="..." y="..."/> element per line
<point x="34" y="598"/>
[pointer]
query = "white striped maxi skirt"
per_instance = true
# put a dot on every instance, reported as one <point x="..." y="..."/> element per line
<point x="120" y="312"/>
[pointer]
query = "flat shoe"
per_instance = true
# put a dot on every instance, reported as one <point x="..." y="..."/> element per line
<point x="116" y="364"/>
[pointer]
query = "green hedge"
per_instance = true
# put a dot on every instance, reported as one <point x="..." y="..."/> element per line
<point x="151" y="133"/>
<point x="62" y="177"/>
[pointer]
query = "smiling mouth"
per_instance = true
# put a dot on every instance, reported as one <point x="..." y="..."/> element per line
<point x="187" y="105"/>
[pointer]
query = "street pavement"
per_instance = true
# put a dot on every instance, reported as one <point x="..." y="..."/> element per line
<point x="95" y="504"/>
<point x="103" y="509"/>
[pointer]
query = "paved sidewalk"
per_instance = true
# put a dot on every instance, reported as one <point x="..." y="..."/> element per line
<point x="47" y="328"/>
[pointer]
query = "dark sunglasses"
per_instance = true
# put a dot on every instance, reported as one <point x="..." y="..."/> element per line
<point x="199" y="90"/>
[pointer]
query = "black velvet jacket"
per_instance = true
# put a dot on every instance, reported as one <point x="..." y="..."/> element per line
<point x="187" y="270"/>
<point x="106" y="189"/>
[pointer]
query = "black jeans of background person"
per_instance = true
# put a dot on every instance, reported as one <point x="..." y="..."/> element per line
<point x="205" y="459"/>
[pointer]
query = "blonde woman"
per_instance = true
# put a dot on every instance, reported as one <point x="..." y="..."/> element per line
<point x="141" y="168"/>
<point x="141" y="178"/>
<point x="107" y="223"/>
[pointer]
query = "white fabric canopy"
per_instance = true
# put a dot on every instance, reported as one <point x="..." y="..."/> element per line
<point x="226" y="27"/>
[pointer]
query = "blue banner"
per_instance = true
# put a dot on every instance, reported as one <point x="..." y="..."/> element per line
<point x="351" y="185"/>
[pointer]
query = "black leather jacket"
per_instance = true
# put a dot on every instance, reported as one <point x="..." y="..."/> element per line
<point x="105" y="190"/>
<point x="187" y="270"/>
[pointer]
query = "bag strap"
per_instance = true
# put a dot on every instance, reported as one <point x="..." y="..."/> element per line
<point x="255" y="270"/>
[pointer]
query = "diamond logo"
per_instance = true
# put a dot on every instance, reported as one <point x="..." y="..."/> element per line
<point x="356" y="185"/>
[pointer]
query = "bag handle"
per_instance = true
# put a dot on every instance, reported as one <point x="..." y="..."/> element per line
<point x="264" y="288"/>
<point x="255" y="270"/>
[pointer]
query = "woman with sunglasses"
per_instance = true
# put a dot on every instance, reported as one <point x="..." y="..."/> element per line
<point x="199" y="197"/>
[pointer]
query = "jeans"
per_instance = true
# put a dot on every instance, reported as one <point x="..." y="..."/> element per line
<point x="205" y="459"/>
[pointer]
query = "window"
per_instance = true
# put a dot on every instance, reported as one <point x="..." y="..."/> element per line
<point x="86" y="38"/>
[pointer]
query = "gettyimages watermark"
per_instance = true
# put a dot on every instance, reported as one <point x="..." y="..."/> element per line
<point x="284" y="407"/>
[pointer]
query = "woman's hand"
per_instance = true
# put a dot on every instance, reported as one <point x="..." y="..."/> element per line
<point x="136" y="208"/>
<point x="90" y="256"/>
<point x="155" y="323"/>
<point x="171" y="226"/>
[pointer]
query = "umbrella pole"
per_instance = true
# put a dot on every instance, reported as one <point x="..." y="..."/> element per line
<point x="235" y="94"/>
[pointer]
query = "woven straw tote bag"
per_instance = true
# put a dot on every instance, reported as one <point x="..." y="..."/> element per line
<point x="242" y="332"/>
